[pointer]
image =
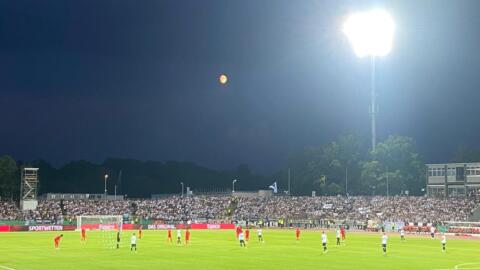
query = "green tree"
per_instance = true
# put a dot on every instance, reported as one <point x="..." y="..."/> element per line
<point x="9" y="178"/>
<point x="323" y="168"/>
<point x="397" y="160"/>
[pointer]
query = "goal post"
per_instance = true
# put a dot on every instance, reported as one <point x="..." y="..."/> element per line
<point x="100" y="222"/>
<point x="109" y="226"/>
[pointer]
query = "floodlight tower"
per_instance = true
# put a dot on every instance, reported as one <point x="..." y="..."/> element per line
<point x="371" y="34"/>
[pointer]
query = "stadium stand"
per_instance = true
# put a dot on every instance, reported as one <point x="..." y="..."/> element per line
<point x="222" y="207"/>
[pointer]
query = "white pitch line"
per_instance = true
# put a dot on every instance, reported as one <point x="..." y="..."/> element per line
<point x="6" y="268"/>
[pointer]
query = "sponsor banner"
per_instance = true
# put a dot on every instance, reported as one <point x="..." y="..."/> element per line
<point x="45" y="228"/>
<point x="196" y="226"/>
<point x="41" y="228"/>
<point x="160" y="227"/>
<point x="227" y="226"/>
<point x="101" y="226"/>
<point x="193" y="226"/>
<point x="49" y="228"/>
<point x="129" y="227"/>
<point x="213" y="226"/>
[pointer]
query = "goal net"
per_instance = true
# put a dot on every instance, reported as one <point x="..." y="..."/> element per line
<point x="108" y="225"/>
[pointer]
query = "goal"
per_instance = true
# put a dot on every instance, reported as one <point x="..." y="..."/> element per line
<point x="108" y="225"/>
<point x="99" y="222"/>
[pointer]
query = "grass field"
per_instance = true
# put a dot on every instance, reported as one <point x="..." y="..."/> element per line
<point x="220" y="250"/>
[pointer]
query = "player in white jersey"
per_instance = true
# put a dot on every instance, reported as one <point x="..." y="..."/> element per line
<point x="324" y="242"/>
<point x="179" y="237"/>
<point x="338" y="236"/>
<point x="260" y="235"/>
<point x="241" y="238"/>
<point x="444" y="241"/>
<point x="384" y="243"/>
<point x="432" y="231"/>
<point x="402" y="234"/>
<point x="133" y="242"/>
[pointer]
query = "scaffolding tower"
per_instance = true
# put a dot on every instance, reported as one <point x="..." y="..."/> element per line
<point x="28" y="189"/>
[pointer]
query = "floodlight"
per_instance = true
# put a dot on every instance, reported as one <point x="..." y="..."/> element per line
<point x="370" y="33"/>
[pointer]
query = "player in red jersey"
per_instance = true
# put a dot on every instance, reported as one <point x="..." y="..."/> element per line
<point x="342" y="232"/>
<point x="239" y="230"/>
<point x="169" y="235"/>
<point x="57" y="241"/>
<point x="247" y="234"/>
<point x="140" y="232"/>
<point x="297" y="233"/>
<point x="84" y="234"/>
<point x="187" y="236"/>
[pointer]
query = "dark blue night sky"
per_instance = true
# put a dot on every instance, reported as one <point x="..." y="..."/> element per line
<point x="138" y="79"/>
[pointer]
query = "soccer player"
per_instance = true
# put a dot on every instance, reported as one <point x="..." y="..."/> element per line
<point x="118" y="239"/>
<point x="84" y="236"/>
<point x="140" y="232"/>
<point x="56" y="241"/>
<point x="384" y="243"/>
<point x="241" y="239"/>
<point x="169" y="235"/>
<point x="342" y="231"/>
<point x="260" y="235"/>
<point x="444" y="242"/>
<point x="324" y="242"/>
<point x="187" y="236"/>
<point x="133" y="242"/>
<point x="338" y="237"/>
<point x="432" y="232"/>
<point x="247" y="234"/>
<point x="297" y="233"/>
<point x="179" y="237"/>
<point x="402" y="234"/>
<point x="239" y="230"/>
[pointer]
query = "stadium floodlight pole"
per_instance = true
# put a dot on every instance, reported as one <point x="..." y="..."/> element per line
<point x="387" y="182"/>
<point x="233" y="185"/>
<point x="106" y="177"/>
<point x="181" y="183"/>
<point x="346" y="181"/>
<point x="371" y="34"/>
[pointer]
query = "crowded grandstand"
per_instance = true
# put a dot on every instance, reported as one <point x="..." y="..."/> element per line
<point x="269" y="210"/>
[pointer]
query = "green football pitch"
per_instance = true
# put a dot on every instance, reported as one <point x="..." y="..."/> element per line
<point x="220" y="250"/>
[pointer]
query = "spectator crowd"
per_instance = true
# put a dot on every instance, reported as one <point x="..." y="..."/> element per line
<point x="223" y="207"/>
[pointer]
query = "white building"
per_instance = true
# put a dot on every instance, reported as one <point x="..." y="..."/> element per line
<point x="455" y="178"/>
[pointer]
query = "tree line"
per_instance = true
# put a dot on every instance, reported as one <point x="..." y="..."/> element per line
<point x="345" y="165"/>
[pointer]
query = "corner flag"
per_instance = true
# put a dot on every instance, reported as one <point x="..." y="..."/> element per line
<point x="274" y="187"/>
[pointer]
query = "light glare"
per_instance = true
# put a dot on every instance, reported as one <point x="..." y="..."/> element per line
<point x="370" y="33"/>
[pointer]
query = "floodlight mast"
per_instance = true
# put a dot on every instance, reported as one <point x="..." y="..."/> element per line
<point x="371" y="34"/>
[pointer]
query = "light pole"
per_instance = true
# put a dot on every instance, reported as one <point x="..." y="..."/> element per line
<point x="181" y="183"/>
<point x="346" y="182"/>
<point x="371" y="34"/>
<point x="106" y="177"/>
<point x="233" y="185"/>
<point x="387" y="182"/>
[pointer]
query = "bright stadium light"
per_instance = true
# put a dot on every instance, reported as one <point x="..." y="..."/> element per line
<point x="370" y="33"/>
